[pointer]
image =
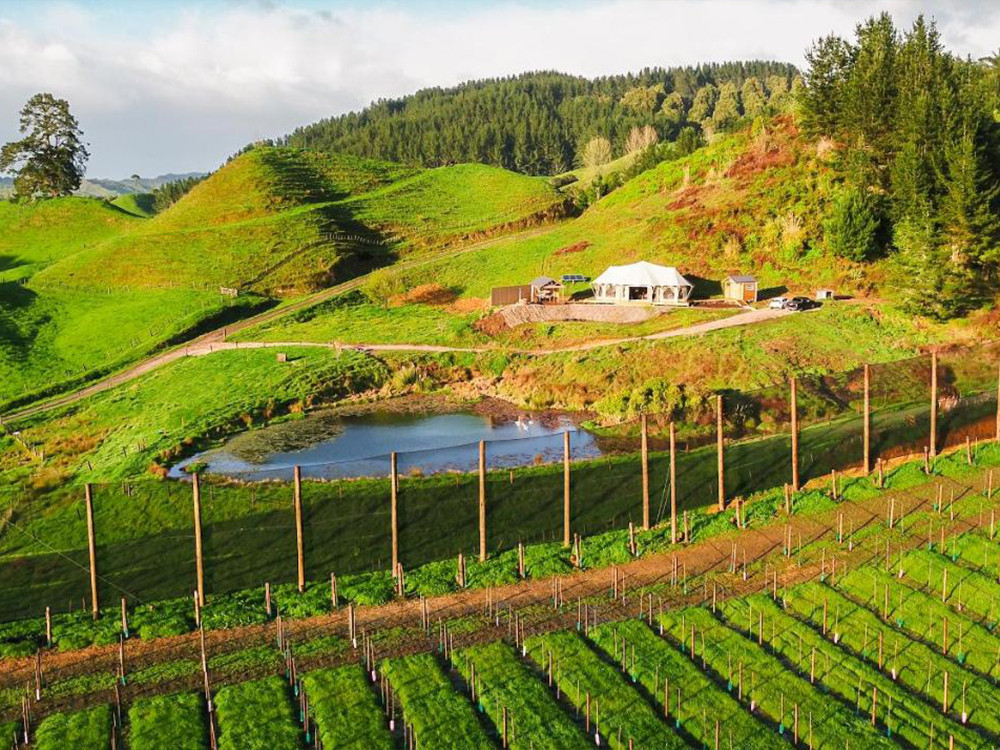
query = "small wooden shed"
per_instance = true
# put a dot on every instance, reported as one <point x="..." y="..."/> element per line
<point x="740" y="288"/>
<point x="545" y="289"/>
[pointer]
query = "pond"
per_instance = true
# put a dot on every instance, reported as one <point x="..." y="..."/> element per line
<point x="332" y="447"/>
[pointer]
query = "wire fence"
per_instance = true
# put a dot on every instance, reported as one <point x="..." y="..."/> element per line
<point x="145" y="531"/>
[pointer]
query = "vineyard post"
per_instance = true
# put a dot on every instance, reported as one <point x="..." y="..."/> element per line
<point x="645" y="474"/>
<point x="673" y="483"/>
<point x="868" y="421"/>
<point x="88" y="496"/>
<point x="566" y="494"/>
<point x="48" y="622"/>
<point x="394" y="509"/>
<point x="720" y="447"/>
<point x="482" y="501"/>
<point x="795" y="434"/>
<point x="300" y="556"/>
<point x="934" y="403"/>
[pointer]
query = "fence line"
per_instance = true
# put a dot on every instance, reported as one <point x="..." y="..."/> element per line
<point x="439" y="516"/>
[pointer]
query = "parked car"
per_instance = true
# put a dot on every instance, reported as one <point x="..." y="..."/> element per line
<point x="778" y="303"/>
<point x="800" y="303"/>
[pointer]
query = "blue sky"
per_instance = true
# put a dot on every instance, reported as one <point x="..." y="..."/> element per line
<point x="178" y="86"/>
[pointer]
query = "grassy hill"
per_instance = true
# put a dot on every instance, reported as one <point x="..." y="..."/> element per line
<point x="35" y="235"/>
<point x="285" y="221"/>
<point x="753" y="202"/>
<point x="110" y="282"/>
<point x="137" y="204"/>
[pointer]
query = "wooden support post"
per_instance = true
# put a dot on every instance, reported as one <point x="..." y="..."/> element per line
<point x="482" y="501"/>
<point x="88" y="496"/>
<point x="333" y="591"/>
<point x="868" y="421"/>
<point x="645" y="474"/>
<point x="199" y="554"/>
<point x="720" y="447"/>
<point x="673" y="483"/>
<point x="48" y="623"/>
<point x="566" y="492"/>
<point x="300" y="556"/>
<point x="934" y="403"/>
<point x="394" y="509"/>
<point x="795" y="435"/>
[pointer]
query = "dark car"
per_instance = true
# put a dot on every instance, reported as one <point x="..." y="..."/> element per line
<point x="800" y="303"/>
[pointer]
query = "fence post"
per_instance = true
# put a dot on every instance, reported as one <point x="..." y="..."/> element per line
<point x="934" y="403"/>
<point x="720" y="446"/>
<point x="92" y="547"/>
<point x="673" y="483"/>
<point x="795" y="434"/>
<point x="199" y="552"/>
<point x="868" y="421"/>
<point x="394" y="509"/>
<point x="301" y="558"/>
<point x="645" y="474"/>
<point x="566" y="494"/>
<point x="482" y="500"/>
<point x="998" y="404"/>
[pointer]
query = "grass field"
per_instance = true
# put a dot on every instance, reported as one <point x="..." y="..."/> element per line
<point x="107" y="283"/>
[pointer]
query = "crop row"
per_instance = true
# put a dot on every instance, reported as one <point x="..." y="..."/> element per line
<point x="439" y="715"/>
<point x="844" y="676"/>
<point x="505" y="686"/>
<point x="918" y="667"/>
<point x="613" y="710"/>
<point x="345" y="709"/>
<point x="774" y="692"/>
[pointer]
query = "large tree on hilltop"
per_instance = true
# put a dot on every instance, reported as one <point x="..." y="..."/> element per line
<point x="49" y="159"/>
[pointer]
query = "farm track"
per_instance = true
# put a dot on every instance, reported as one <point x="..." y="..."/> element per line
<point x="206" y="340"/>
<point x="713" y="556"/>
<point x="216" y="340"/>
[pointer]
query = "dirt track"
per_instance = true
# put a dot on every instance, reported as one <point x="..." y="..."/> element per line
<point x="213" y="342"/>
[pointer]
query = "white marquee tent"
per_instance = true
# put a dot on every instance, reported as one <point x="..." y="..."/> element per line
<point x="643" y="282"/>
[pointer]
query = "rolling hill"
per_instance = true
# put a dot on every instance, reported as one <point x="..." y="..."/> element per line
<point x="100" y="285"/>
<point x="752" y="202"/>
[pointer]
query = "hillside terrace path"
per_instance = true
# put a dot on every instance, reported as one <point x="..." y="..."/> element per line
<point x="215" y="341"/>
<point x="710" y="558"/>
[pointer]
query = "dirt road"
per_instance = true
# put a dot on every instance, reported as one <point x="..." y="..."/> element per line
<point x="215" y="341"/>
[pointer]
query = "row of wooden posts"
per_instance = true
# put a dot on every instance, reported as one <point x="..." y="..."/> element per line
<point x="567" y="494"/>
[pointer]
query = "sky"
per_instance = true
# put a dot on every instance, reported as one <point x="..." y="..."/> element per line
<point x="178" y="86"/>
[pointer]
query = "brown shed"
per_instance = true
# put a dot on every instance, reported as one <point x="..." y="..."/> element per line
<point x="740" y="288"/>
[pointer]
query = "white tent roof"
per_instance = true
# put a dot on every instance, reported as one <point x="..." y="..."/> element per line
<point x="642" y="274"/>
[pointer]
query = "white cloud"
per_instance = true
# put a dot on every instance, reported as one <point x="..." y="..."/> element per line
<point x="179" y="88"/>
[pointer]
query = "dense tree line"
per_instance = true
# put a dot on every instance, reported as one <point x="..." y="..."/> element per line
<point x="169" y="193"/>
<point x="918" y="143"/>
<point x="540" y="123"/>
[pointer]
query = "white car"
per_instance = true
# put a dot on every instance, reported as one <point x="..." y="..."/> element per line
<point x="778" y="303"/>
